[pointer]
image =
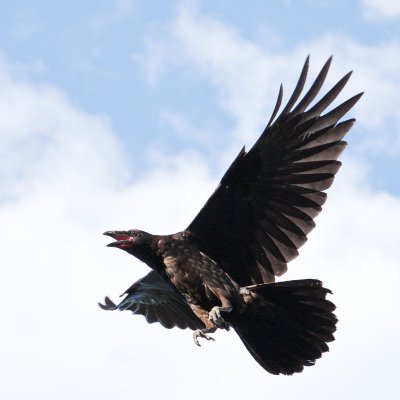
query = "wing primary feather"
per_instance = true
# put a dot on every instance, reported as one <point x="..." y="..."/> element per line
<point x="109" y="305"/>
<point x="327" y="99"/>
<point x="282" y="180"/>
<point x="314" y="90"/>
<point x="324" y="136"/>
<point x="310" y="167"/>
<point x="333" y="116"/>
<point x="276" y="108"/>
<point x="297" y="90"/>
<point x="330" y="151"/>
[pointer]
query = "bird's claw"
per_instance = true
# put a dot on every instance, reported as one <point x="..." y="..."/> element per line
<point x="199" y="333"/>
<point x="244" y="291"/>
<point x="215" y="317"/>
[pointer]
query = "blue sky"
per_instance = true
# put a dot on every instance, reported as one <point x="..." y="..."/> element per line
<point x="98" y="53"/>
<point x="119" y="114"/>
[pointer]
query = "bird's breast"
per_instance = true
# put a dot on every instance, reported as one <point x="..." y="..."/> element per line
<point x="198" y="278"/>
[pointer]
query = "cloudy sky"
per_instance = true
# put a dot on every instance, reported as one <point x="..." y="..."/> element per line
<point x="119" y="114"/>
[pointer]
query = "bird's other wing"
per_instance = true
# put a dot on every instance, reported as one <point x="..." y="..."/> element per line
<point x="266" y="202"/>
<point x="154" y="298"/>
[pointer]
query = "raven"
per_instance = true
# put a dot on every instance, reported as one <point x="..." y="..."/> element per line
<point x="220" y="271"/>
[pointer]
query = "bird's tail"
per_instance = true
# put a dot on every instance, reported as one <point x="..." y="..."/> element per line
<point x="288" y="324"/>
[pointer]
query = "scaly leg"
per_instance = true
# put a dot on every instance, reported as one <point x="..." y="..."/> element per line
<point x="202" y="333"/>
<point x="215" y="316"/>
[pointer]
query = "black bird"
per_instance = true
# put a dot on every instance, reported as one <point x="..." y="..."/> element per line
<point x="219" y="272"/>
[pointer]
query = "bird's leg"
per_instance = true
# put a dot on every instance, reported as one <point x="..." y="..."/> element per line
<point x="202" y="333"/>
<point x="215" y="316"/>
<point x="209" y="327"/>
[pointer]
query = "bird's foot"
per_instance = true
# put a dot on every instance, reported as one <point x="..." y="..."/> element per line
<point x="215" y="317"/>
<point x="202" y="333"/>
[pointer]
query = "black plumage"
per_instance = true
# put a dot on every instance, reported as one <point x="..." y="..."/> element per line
<point x="219" y="272"/>
<point x="158" y="302"/>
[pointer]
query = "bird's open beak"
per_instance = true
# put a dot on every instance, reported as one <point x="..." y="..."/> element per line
<point x="123" y="239"/>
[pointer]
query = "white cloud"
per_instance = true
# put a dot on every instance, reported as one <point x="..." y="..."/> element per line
<point x="64" y="181"/>
<point x="247" y="76"/>
<point x="376" y="9"/>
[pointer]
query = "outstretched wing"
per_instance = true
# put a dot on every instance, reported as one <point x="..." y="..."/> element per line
<point x="152" y="297"/>
<point x="265" y="204"/>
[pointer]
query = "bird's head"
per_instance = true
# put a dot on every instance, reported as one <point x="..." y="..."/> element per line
<point x="138" y="243"/>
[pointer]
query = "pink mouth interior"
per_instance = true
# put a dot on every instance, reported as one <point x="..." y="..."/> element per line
<point x="120" y="236"/>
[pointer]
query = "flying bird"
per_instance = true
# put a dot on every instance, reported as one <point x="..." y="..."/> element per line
<point x="219" y="273"/>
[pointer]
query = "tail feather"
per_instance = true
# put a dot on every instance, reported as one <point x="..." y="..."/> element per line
<point x="288" y="325"/>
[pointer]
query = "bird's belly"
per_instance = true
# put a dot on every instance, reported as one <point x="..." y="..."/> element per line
<point x="193" y="289"/>
<point x="199" y="279"/>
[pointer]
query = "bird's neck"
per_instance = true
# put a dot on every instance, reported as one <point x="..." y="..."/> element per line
<point x="149" y="255"/>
